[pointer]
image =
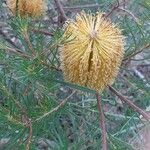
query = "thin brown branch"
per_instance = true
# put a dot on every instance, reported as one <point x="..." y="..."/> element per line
<point x="7" y="39"/>
<point x="144" y="65"/>
<point x="131" y="84"/>
<point x="22" y="54"/>
<point x="56" y="108"/>
<point x="130" y="103"/>
<point x="28" y="124"/>
<point x="18" y="52"/>
<point x="16" y="102"/>
<point x="129" y="13"/>
<point x="136" y="52"/>
<point x="102" y="122"/>
<point x="30" y="135"/>
<point x="50" y="66"/>
<point x="42" y="32"/>
<point x="27" y="39"/>
<point x="118" y="7"/>
<point x="115" y="6"/>
<point x="82" y="7"/>
<point x="61" y="11"/>
<point x="25" y="120"/>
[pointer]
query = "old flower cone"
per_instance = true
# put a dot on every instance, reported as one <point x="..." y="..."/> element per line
<point x="31" y="8"/>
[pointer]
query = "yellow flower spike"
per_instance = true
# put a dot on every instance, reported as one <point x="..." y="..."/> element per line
<point x="93" y="55"/>
<point x="31" y="8"/>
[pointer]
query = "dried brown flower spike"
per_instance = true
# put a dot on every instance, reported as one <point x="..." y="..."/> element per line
<point x="94" y="52"/>
<point x="31" y="8"/>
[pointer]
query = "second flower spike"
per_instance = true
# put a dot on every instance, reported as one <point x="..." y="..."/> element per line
<point x="31" y="8"/>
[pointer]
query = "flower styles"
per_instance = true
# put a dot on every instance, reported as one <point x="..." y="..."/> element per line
<point x="94" y="51"/>
<point x="31" y="8"/>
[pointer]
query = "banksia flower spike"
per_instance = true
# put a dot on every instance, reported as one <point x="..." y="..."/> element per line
<point x="93" y="53"/>
<point x="31" y="8"/>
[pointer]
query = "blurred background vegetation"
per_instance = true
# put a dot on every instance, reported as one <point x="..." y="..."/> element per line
<point x="38" y="106"/>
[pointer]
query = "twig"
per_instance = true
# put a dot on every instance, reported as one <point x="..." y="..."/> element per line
<point x="9" y="95"/>
<point x="18" y="52"/>
<point x="30" y="136"/>
<point x="132" y="128"/>
<point x="131" y="84"/>
<point x="131" y="104"/>
<point x="117" y="7"/>
<point x="141" y="76"/>
<point x="144" y="65"/>
<point x="42" y="32"/>
<point x="113" y="9"/>
<point x="102" y="122"/>
<point x="82" y="7"/>
<point x="7" y="39"/>
<point x="28" y="123"/>
<point x="27" y="39"/>
<point x="50" y="66"/>
<point x="56" y="108"/>
<point x="22" y="54"/>
<point x="25" y="120"/>
<point x="61" y="11"/>
<point x="130" y="13"/>
<point x="136" y="52"/>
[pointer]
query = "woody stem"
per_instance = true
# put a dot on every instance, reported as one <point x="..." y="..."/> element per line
<point x="130" y="103"/>
<point x="102" y="122"/>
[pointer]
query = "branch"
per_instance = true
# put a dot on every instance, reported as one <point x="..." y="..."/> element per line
<point x="42" y="32"/>
<point x="24" y="55"/>
<point x="61" y="11"/>
<point x="131" y="84"/>
<point x="130" y="13"/>
<point x="141" y="76"/>
<point x="7" y="39"/>
<point x="56" y="108"/>
<point x="130" y="103"/>
<point x="28" y="123"/>
<point x="25" y="120"/>
<point x="18" y="52"/>
<point x="82" y="7"/>
<point x="136" y="52"/>
<point x="30" y="135"/>
<point x="27" y="39"/>
<point x="50" y="66"/>
<point x="102" y="122"/>
<point x="115" y="6"/>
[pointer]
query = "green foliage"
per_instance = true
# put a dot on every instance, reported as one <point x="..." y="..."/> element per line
<point x="32" y="86"/>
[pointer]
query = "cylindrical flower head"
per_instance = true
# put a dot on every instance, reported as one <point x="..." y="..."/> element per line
<point x="93" y="53"/>
<point x="31" y="8"/>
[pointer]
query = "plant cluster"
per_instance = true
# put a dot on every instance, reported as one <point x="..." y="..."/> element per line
<point x="56" y="77"/>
